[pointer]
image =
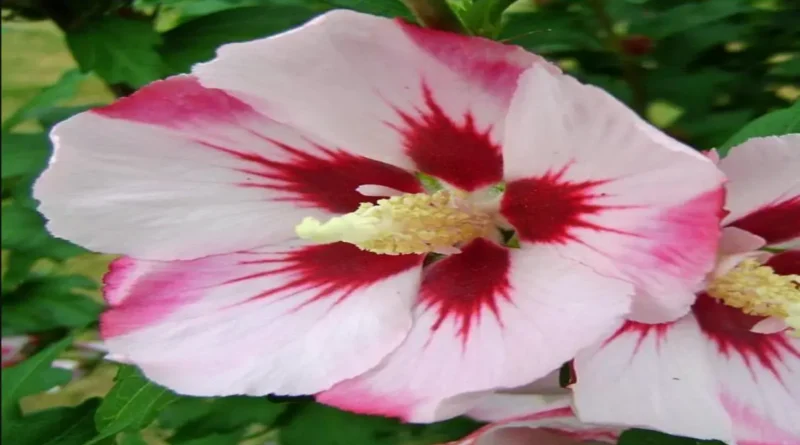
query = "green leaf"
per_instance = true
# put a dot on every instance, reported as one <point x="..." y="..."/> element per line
<point x="687" y="16"/>
<point x="18" y="269"/>
<point x="49" y="302"/>
<point x="20" y="189"/>
<point x="197" y="40"/>
<point x="51" y="116"/>
<point x="211" y="439"/>
<point x="198" y="417"/>
<point x="384" y="8"/>
<point x="787" y="68"/>
<point x="445" y="432"/>
<point x="694" y="92"/>
<point x="133" y="403"/>
<point x="547" y="33"/>
<point x="119" y="50"/>
<point x="64" y="88"/>
<point x="685" y="47"/>
<point x="645" y="437"/>
<point x="711" y="130"/>
<point x="334" y="427"/>
<point x="132" y="438"/>
<point x="23" y="229"/>
<point x="59" y="426"/>
<point x="779" y="122"/>
<point x="482" y="17"/>
<point x="24" y="153"/>
<point x="32" y="376"/>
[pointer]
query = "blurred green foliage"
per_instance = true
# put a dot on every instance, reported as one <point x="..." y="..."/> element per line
<point x="701" y="70"/>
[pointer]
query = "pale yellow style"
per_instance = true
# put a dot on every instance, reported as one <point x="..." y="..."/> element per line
<point x="757" y="290"/>
<point x="406" y="224"/>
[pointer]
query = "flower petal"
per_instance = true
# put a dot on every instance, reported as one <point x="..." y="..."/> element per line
<point x="12" y="347"/>
<point x="540" y="395"/>
<point x="758" y="375"/>
<point x="764" y="187"/>
<point x="652" y="376"/>
<point x="552" y="423"/>
<point x="179" y="171"/>
<point x="413" y="97"/>
<point x="587" y="175"/>
<point x="525" y="312"/>
<point x="291" y="320"/>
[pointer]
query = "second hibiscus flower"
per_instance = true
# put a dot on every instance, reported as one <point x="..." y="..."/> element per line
<point x="204" y="180"/>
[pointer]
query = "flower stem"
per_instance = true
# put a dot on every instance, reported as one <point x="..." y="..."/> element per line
<point x="631" y="72"/>
<point x="436" y="14"/>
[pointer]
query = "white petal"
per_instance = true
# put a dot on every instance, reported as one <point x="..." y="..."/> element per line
<point x="764" y="187"/>
<point x="286" y="321"/>
<point x="584" y="172"/>
<point x="413" y="97"/>
<point x="652" y="376"/>
<point x="488" y="318"/>
<point x="179" y="171"/>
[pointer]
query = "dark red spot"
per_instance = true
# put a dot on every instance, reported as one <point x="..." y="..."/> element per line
<point x="456" y="152"/>
<point x="547" y="209"/>
<point x="324" y="179"/>
<point x="176" y="101"/>
<point x="785" y="263"/>
<point x="637" y="45"/>
<point x="659" y="331"/>
<point x="331" y="270"/>
<point x="730" y="328"/>
<point x="461" y="286"/>
<point x="775" y="223"/>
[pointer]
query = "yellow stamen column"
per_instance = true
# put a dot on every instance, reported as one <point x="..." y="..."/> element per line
<point x="406" y="224"/>
<point x="757" y="290"/>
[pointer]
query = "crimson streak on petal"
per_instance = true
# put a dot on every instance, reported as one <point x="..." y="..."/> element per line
<point x="332" y="270"/>
<point x="142" y="293"/>
<point x="315" y="176"/>
<point x="456" y="152"/>
<point x="730" y="328"/>
<point x="324" y="179"/>
<point x="465" y="285"/>
<point x="776" y="223"/>
<point x="547" y="209"/>
<point x="659" y="330"/>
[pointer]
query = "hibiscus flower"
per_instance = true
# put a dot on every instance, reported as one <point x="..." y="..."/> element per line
<point x="709" y="375"/>
<point x="205" y="181"/>
<point x="13" y="349"/>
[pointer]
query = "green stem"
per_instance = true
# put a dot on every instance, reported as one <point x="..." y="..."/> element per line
<point x="631" y="72"/>
<point x="436" y="14"/>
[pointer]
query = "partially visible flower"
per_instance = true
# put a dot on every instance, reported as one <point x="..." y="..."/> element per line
<point x="536" y="415"/>
<point x="13" y="349"/>
<point x="730" y="370"/>
<point x="204" y="180"/>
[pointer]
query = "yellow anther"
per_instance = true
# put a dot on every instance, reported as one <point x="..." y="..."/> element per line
<point x="757" y="290"/>
<point x="410" y="223"/>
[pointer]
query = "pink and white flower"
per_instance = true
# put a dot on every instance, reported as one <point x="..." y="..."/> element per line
<point x="13" y="347"/>
<point x="540" y="414"/>
<point x="202" y="180"/>
<point x="709" y="375"/>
